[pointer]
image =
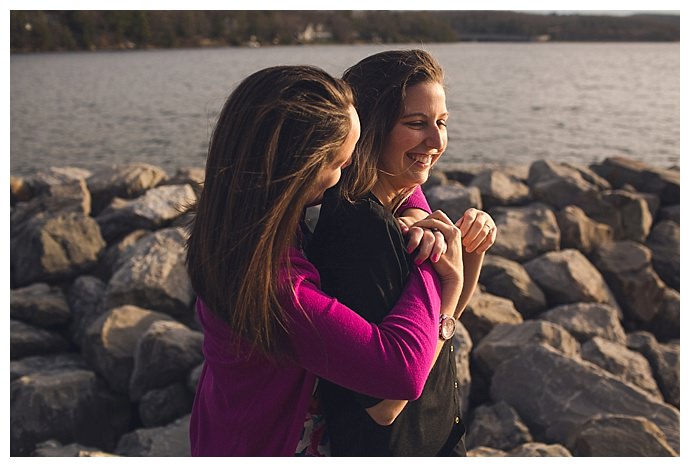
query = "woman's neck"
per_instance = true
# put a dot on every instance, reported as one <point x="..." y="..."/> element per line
<point x="385" y="193"/>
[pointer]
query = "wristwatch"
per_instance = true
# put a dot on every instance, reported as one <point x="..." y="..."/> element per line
<point x="446" y="327"/>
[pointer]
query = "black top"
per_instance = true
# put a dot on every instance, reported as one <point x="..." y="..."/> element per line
<point x="362" y="260"/>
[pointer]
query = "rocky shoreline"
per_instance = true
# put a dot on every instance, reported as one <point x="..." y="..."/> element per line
<point x="571" y="348"/>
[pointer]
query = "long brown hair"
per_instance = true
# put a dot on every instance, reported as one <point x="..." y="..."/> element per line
<point x="379" y="83"/>
<point x="276" y="132"/>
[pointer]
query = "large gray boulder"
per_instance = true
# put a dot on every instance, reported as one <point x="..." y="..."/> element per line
<point x="579" y="231"/>
<point x="58" y="189"/>
<point x="612" y="435"/>
<point x="123" y="181"/>
<point x="621" y="171"/>
<point x="86" y="297"/>
<point x="118" y="252"/>
<point x="69" y="406"/>
<point x="555" y="394"/>
<point x="111" y="341"/>
<point x="156" y="208"/>
<point x="500" y="189"/>
<point x="558" y="185"/>
<point x="51" y="247"/>
<point x="161" y="406"/>
<point x="509" y="279"/>
<point x="666" y="324"/>
<point x="39" y="304"/>
<point x="165" y="354"/>
<point x="632" y="367"/>
<point x="587" y="320"/>
<point x="505" y="340"/>
<point x="628" y="213"/>
<point x="497" y="426"/>
<point x="567" y="276"/>
<point x="454" y="199"/>
<point x="627" y="268"/>
<point x="154" y="276"/>
<point x="525" y="232"/>
<point x="486" y="311"/>
<point x="664" y="241"/>
<point x="27" y="340"/>
<point x="664" y="360"/>
<point x="539" y="450"/>
<point x="171" y="440"/>
<point x="42" y="363"/>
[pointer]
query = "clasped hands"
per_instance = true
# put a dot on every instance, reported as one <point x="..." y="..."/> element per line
<point x="431" y="235"/>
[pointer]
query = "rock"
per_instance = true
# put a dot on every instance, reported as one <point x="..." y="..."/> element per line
<point x="632" y="214"/>
<point x="54" y="248"/>
<point x="116" y="254"/>
<point x="111" y="341"/>
<point x="169" y="441"/>
<point x="154" y="276"/>
<point x="579" y="231"/>
<point x="462" y="348"/>
<point x="664" y="360"/>
<point x="497" y="426"/>
<point x="612" y="435"/>
<point x="436" y="177"/>
<point x="153" y="210"/>
<point x="627" y="268"/>
<point x="195" y="376"/>
<point x="55" y="190"/>
<point x="539" y="450"/>
<point x="187" y="175"/>
<point x="666" y="324"/>
<point x="19" y="190"/>
<point x="670" y="213"/>
<point x="664" y="241"/>
<point x="159" y="407"/>
<point x="499" y="189"/>
<point x="662" y="182"/>
<point x="486" y="311"/>
<point x="39" y="304"/>
<point x="553" y="394"/>
<point x="125" y="181"/>
<point x="510" y="280"/>
<point x="42" y="363"/>
<point x="27" y="340"/>
<point x="505" y="340"/>
<point x="557" y="185"/>
<point x="484" y="451"/>
<point x="525" y="232"/>
<point x="454" y="199"/>
<point x="587" y="320"/>
<point x="86" y="299"/>
<point x="69" y="406"/>
<point x="165" y="354"/>
<point x="53" y="448"/>
<point x="618" y="360"/>
<point x="584" y="283"/>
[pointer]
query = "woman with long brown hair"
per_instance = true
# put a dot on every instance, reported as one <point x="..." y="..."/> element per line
<point x="282" y="138"/>
<point x="401" y="101"/>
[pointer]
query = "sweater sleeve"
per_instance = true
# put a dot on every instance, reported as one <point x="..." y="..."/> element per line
<point x="415" y="200"/>
<point x="390" y="360"/>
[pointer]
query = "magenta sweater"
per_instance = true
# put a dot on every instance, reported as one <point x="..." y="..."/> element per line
<point x="247" y="405"/>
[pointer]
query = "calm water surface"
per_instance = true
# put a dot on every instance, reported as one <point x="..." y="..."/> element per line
<point x="509" y="103"/>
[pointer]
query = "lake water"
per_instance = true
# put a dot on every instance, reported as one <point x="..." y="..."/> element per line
<point x="509" y="103"/>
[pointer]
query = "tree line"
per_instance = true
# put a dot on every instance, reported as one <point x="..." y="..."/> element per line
<point x="38" y="30"/>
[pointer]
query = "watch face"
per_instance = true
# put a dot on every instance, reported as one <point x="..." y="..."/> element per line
<point x="447" y="327"/>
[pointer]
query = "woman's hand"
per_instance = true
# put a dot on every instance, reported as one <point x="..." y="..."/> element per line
<point x="478" y="230"/>
<point x="430" y="244"/>
<point x="449" y="265"/>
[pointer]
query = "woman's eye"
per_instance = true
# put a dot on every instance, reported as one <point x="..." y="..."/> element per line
<point x="442" y="123"/>
<point x="415" y="124"/>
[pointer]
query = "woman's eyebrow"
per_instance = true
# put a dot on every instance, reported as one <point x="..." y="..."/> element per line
<point x="422" y="114"/>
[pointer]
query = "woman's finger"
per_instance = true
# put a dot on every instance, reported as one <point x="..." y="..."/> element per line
<point x="439" y="246"/>
<point x="414" y="237"/>
<point x="425" y="247"/>
<point x="467" y="219"/>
